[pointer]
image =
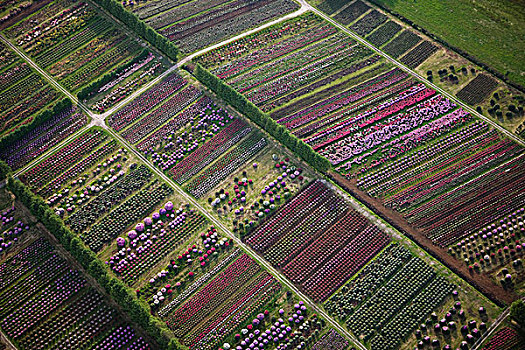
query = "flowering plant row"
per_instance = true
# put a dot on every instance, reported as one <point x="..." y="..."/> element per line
<point x="305" y="75"/>
<point x="343" y="303"/>
<point x="219" y="290"/>
<point x="496" y="188"/>
<point x="11" y="96"/>
<point x="95" y="68"/>
<point x="389" y="300"/>
<point x="345" y="263"/>
<point x="11" y="232"/>
<point x="291" y="62"/>
<point x="379" y="177"/>
<point x="344" y="117"/>
<point x="166" y="132"/>
<point x="166" y="310"/>
<point x="356" y="149"/>
<point x="150" y="248"/>
<point x="226" y="165"/>
<point x="45" y="136"/>
<point x="250" y="299"/>
<point x="253" y="42"/>
<point x="123" y="188"/>
<point x="331" y="240"/>
<point x="204" y="155"/>
<point x="63" y="159"/>
<point x="269" y="53"/>
<point x="80" y="167"/>
<point x="341" y="100"/>
<point x="170" y="108"/>
<point x="126" y="213"/>
<point x="92" y="30"/>
<point x="20" y="112"/>
<point x="206" y="125"/>
<point x="146" y="102"/>
<point x="232" y="18"/>
<point x="495" y="245"/>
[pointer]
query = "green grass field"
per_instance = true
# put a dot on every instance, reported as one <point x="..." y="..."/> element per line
<point x="492" y="31"/>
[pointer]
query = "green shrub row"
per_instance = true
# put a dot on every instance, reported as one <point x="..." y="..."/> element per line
<point x="141" y="28"/>
<point x="246" y="107"/>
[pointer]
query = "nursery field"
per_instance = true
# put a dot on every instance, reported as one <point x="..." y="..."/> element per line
<point x="290" y="189"/>
<point x="23" y="92"/>
<point x="371" y="125"/>
<point x="46" y="299"/>
<point x="193" y="24"/>
<point x="83" y="49"/>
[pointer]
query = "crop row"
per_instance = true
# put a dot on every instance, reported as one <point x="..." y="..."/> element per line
<point x="77" y="169"/>
<point x="114" y="223"/>
<point x="226" y="165"/>
<point x="232" y="51"/>
<point x="146" y="102"/>
<point x="123" y="187"/>
<point x="63" y="159"/>
<point x="383" y="34"/>
<point x="174" y="105"/>
<point x="206" y="154"/>
<point x="44" y="137"/>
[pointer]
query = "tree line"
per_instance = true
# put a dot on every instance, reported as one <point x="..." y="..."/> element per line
<point x="263" y="120"/>
<point x="141" y="28"/>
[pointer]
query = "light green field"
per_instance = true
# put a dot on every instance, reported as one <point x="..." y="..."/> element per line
<point x="492" y="31"/>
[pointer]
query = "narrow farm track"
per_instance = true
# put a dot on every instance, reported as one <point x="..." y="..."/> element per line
<point x="472" y="111"/>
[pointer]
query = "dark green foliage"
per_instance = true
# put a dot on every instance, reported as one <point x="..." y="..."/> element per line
<point x="5" y="170"/>
<point x="517" y="312"/>
<point x="97" y="84"/>
<point x="139" y="27"/>
<point x="41" y="118"/>
<point x="263" y="120"/>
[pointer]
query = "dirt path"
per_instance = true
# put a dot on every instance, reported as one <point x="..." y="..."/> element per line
<point x="482" y="282"/>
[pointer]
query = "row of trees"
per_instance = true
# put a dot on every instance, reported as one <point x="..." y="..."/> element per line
<point x="246" y="107"/>
<point x="137" y="311"/>
<point x="97" y="84"/>
<point x="38" y="120"/>
<point x="141" y="28"/>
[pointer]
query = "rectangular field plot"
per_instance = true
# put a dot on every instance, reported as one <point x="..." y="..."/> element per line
<point x="45" y="300"/>
<point x="23" y="92"/>
<point x="317" y="227"/>
<point x="193" y="25"/>
<point x="78" y="44"/>
<point x="60" y="124"/>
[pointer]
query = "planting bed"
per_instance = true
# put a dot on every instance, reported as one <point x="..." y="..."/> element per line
<point x="478" y="89"/>
<point x="23" y="93"/>
<point x="193" y="25"/>
<point x="352" y="12"/>
<point x="384" y="33"/>
<point x="419" y="54"/>
<point x="253" y="193"/>
<point x="44" y="137"/>
<point x="78" y="44"/>
<point x="45" y="300"/>
<point x="319" y="227"/>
